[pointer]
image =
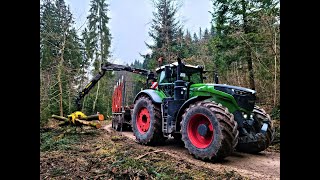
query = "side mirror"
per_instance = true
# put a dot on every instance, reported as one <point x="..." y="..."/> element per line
<point x="168" y="71"/>
<point x="151" y="76"/>
<point x="216" y="78"/>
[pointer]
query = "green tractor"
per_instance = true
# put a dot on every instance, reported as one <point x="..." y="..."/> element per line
<point x="212" y="120"/>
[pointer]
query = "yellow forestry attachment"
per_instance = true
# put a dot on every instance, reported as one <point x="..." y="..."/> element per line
<point x="79" y="118"/>
<point x="76" y="115"/>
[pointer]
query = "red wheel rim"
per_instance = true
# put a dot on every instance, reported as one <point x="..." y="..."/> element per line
<point x="196" y="139"/>
<point x="143" y="120"/>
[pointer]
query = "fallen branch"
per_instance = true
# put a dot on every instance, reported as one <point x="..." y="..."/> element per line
<point x="139" y="157"/>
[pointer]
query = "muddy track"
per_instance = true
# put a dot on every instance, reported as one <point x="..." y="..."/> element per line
<point x="265" y="165"/>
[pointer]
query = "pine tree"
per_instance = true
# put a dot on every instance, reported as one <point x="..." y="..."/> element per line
<point x="195" y="38"/>
<point x="164" y="31"/>
<point x="206" y="34"/>
<point x="99" y="39"/>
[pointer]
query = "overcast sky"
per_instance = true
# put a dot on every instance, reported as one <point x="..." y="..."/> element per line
<point x="130" y="22"/>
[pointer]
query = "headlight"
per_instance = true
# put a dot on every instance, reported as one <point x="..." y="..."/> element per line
<point x="245" y="116"/>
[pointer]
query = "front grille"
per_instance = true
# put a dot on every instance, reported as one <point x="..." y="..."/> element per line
<point x="240" y="92"/>
<point x="245" y="101"/>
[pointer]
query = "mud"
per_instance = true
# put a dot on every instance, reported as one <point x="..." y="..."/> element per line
<point x="265" y="165"/>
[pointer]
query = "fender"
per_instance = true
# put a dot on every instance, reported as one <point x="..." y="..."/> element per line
<point x="156" y="96"/>
<point x="185" y="105"/>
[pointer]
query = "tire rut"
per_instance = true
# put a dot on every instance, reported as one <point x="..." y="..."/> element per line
<point x="265" y="165"/>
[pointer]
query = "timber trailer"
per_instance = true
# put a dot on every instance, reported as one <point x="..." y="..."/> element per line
<point x="211" y="119"/>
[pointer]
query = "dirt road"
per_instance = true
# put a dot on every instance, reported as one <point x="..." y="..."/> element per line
<point x="265" y="165"/>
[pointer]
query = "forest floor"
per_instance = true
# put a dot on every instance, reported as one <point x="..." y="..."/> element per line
<point x="88" y="153"/>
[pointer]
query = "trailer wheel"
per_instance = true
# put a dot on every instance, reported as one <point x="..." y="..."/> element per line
<point x="209" y="131"/>
<point x="146" y="122"/>
<point x="115" y="122"/>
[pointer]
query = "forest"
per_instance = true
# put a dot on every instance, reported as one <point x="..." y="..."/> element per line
<point x="242" y="46"/>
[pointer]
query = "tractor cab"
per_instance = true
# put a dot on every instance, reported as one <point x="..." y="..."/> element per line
<point x="168" y="75"/>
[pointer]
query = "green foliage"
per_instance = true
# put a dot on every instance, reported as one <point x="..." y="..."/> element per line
<point x="97" y="41"/>
<point x="242" y="33"/>
<point x="60" y="59"/>
<point x="99" y="33"/>
<point x="246" y="36"/>
<point x="165" y="32"/>
<point x="52" y="141"/>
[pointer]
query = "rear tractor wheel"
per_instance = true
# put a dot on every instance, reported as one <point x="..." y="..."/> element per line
<point x="209" y="131"/>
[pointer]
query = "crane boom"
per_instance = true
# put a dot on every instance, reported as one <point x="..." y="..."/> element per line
<point x="110" y="67"/>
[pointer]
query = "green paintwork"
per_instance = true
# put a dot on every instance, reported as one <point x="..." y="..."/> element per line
<point x="219" y="97"/>
<point x="208" y="90"/>
<point x="161" y="94"/>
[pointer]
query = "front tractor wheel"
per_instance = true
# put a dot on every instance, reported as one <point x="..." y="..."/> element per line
<point x="146" y="122"/>
<point x="209" y="131"/>
<point x="257" y="141"/>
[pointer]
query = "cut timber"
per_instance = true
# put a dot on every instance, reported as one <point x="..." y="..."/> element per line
<point x="60" y="118"/>
<point x="99" y="117"/>
<point x="93" y="124"/>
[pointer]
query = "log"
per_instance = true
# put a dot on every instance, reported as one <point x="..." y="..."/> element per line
<point x="60" y="118"/>
<point x="93" y="124"/>
<point x="77" y="121"/>
<point x="99" y="117"/>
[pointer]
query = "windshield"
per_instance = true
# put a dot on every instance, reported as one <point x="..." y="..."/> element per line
<point x="187" y="74"/>
<point x="194" y="77"/>
<point x="162" y="75"/>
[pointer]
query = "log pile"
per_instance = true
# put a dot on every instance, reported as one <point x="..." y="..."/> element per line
<point x="75" y="119"/>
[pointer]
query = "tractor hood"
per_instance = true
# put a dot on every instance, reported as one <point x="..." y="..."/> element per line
<point x="244" y="97"/>
<point x="232" y="89"/>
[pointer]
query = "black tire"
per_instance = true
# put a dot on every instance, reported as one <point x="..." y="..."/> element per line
<point x="112" y="123"/>
<point x="115" y="122"/>
<point x="178" y="138"/>
<point x="224" y="133"/>
<point x="152" y="134"/>
<point x="256" y="142"/>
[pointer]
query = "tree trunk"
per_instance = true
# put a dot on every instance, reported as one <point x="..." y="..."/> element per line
<point x="69" y="98"/>
<point x="247" y="47"/>
<point x="92" y="124"/>
<point x="101" y="60"/>
<point x="96" y="98"/>
<point x="250" y="69"/>
<point x="275" y="69"/>
<point x="84" y="99"/>
<point x="60" y="118"/>
<point x="60" y="66"/>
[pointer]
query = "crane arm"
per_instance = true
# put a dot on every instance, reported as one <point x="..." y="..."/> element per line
<point x="110" y="67"/>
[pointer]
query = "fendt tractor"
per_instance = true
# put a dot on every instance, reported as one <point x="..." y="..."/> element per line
<point x="212" y="120"/>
